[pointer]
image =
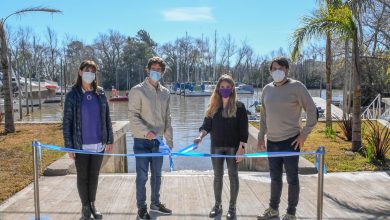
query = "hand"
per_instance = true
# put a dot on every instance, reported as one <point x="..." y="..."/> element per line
<point x="72" y="155"/>
<point x="151" y="135"/>
<point x="299" y="142"/>
<point x="108" y="147"/>
<point x="261" y="145"/>
<point x="197" y="141"/>
<point x="240" y="151"/>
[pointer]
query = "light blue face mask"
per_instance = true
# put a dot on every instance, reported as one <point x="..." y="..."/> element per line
<point x="154" y="75"/>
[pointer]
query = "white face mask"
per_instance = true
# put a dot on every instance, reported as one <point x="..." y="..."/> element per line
<point x="278" y="75"/>
<point x="88" y="77"/>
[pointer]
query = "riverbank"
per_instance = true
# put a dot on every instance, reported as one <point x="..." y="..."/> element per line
<point x="16" y="155"/>
<point x="339" y="157"/>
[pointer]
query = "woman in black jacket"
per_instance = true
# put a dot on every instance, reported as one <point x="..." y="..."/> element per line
<point x="227" y="122"/>
<point x="87" y="126"/>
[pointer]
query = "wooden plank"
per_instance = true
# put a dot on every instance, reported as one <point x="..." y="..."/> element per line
<point x="191" y="196"/>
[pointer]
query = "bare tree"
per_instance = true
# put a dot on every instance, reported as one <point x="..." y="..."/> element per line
<point x="109" y="49"/>
<point x="8" y="105"/>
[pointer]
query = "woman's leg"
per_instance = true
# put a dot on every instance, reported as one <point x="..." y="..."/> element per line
<point x="218" y="175"/>
<point x="82" y="167"/>
<point x="94" y="169"/>
<point x="232" y="166"/>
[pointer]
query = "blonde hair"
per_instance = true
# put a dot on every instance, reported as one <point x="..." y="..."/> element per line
<point x="216" y="99"/>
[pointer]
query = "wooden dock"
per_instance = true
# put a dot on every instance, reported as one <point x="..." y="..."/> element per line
<point x="354" y="196"/>
<point x="335" y="111"/>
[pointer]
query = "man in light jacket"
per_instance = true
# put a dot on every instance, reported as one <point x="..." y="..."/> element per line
<point x="149" y="114"/>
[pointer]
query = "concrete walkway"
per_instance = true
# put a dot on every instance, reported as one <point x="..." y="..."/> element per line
<point x="364" y="195"/>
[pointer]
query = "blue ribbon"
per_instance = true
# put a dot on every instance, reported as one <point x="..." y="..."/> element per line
<point x="318" y="152"/>
<point x="187" y="149"/>
<point x="164" y="148"/>
<point x="184" y="152"/>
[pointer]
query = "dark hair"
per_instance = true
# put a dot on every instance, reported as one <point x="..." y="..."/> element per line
<point x="156" y="60"/>
<point x="282" y="61"/>
<point x="87" y="64"/>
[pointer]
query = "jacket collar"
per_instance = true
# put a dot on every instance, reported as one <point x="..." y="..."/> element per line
<point x="150" y="86"/>
<point x="79" y="90"/>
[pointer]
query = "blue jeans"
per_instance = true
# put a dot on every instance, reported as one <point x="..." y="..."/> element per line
<point x="276" y="171"/>
<point x="142" y="146"/>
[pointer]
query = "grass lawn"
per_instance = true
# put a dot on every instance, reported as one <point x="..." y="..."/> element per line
<point x="16" y="166"/>
<point x="338" y="157"/>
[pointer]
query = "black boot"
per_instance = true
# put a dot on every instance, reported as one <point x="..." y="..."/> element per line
<point x="95" y="213"/>
<point x="217" y="210"/>
<point x="231" y="215"/>
<point x="85" y="212"/>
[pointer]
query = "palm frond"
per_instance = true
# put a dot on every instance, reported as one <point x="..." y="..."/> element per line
<point x="312" y="28"/>
<point x="33" y="9"/>
<point x="338" y="21"/>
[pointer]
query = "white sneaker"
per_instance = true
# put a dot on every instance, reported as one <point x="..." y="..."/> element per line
<point x="268" y="214"/>
<point x="289" y="217"/>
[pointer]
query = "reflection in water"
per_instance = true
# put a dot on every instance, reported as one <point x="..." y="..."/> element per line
<point x="187" y="117"/>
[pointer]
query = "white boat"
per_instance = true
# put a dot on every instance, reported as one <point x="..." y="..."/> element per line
<point x="196" y="90"/>
<point x="244" y="89"/>
<point x="209" y="86"/>
<point x="173" y="88"/>
<point x="189" y="93"/>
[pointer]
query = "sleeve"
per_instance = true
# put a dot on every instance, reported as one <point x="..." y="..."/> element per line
<point x="263" y="122"/>
<point x="207" y="124"/>
<point x="136" y="122"/>
<point x="307" y="103"/>
<point x="67" y="122"/>
<point x="243" y="124"/>
<point x="110" y="134"/>
<point x="168" y="132"/>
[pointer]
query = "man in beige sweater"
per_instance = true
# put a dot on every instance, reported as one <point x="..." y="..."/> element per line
<point x="282" y="104"/>
<point x="150" y="116"/>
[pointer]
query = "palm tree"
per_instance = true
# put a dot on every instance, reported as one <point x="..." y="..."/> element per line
<point x="301" y="34"/>
<point x="8" y="105"/>
<point x="356" y="9"/>
<point x="340" y="22"/>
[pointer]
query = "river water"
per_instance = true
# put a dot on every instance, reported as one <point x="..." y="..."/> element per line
<point x="187" y="117"/>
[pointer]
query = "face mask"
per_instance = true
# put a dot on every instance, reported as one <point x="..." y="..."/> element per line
<point x="88" y="77"/>
<point x="278" y="75"/>
<point x="154" y="75"/>
<point x="225" y="93"/>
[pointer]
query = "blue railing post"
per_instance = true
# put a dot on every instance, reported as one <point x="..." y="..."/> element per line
<point x="36" y="181"/>
<point x="320" y="190"/>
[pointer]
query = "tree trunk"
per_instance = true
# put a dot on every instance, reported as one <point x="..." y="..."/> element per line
<point x="328" y="78"/>
<point x="356" y="123"/>
<point x="347" y="82"/>
<point x="7" y="89"/>
<point x="26" y="88"/>
<point x="20" y="91"/>
<point x="31" y="92"/>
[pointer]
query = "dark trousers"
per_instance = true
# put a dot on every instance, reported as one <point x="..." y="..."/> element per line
<point x="218" y="164"/>
<point x="88" y="167"/>
<point x="276" y="171"/>
<point x="142" y="168"/>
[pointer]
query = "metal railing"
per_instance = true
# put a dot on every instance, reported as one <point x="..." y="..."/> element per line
<point x="320" y="190"/>
<point x="373" y="111"/>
